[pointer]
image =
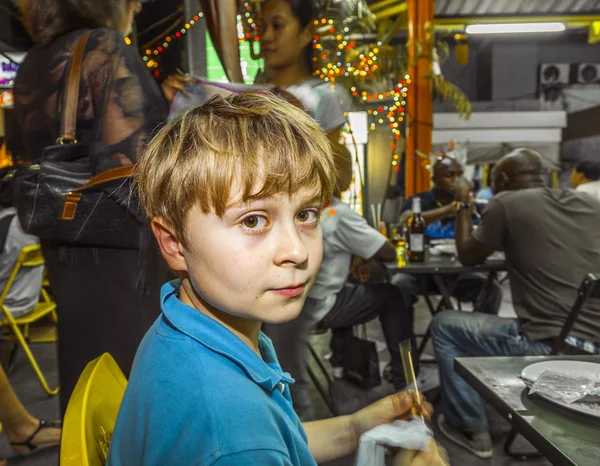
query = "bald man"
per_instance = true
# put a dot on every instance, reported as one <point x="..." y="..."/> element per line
<point x="551" y="241"/>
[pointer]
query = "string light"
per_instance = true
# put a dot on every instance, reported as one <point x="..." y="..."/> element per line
<point x="170" y="38"/>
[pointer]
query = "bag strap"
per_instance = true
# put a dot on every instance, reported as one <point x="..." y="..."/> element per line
<point x="125" y="171"/>
<point x="72" y="198"/>
<point x="71" y="95"/>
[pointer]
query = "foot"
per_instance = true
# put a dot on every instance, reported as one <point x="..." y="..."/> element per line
<point x="35" y="434"/>
<point x="479" y="443"/>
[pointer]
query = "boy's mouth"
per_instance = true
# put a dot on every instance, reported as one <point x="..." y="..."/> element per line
<point x="290" y="291"/>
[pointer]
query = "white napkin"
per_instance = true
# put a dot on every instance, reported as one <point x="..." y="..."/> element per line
<point x="412" y="435"/>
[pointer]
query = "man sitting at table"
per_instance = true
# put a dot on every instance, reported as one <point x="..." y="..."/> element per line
<point x="439" y="207"/>
<point x="551" y="241"/>
<point x="586" y="177"/>
<point x="333" y="303"/>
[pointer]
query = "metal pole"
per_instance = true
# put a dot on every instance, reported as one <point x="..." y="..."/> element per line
<point x="195" y="40"/>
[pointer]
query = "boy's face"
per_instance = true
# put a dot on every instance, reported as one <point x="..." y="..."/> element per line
<point x="258" y="261"/>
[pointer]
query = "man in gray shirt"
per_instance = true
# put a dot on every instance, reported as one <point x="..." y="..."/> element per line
<point x="551" y="241"/>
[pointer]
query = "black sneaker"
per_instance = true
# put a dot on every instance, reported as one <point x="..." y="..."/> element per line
<point x="480" y="444"/>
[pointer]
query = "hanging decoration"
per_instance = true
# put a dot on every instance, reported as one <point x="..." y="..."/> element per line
<point x="149" y="55"/>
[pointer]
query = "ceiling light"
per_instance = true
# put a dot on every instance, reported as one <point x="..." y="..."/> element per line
<point x="512" y="28"/>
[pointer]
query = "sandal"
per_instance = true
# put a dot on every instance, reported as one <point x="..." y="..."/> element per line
<point x="44" y="424"/>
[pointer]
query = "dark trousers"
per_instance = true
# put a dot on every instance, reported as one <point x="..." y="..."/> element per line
<point x="99" y="307"/>
<point x="467" y="289"/>
<point x="359" y="304"/>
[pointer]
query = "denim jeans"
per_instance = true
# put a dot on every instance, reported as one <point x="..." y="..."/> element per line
<point x="460" y="334"/>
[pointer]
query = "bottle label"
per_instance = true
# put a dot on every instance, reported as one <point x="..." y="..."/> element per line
<point x="416" y="242"/>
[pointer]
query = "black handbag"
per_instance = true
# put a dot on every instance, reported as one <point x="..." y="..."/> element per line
<point x="58" y="200"/>
<point x="361" y="361"/>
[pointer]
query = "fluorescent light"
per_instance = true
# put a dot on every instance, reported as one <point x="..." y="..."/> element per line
<point x="512" y="28"/>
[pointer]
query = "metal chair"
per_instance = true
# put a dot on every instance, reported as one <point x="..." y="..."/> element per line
<point x="325" y="392"/>
<point x="31" y="256"/>
<point x="589" y="289"/>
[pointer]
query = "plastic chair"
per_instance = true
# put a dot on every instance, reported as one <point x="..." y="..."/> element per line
<point x="31" y="256"/>
<point x="92" y="413"/>
<point x="589" y="289"/>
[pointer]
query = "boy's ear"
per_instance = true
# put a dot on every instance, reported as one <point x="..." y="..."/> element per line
<point x="170" y="247"/>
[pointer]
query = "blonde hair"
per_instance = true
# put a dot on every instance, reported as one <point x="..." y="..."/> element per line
<point x="263" y="143"/>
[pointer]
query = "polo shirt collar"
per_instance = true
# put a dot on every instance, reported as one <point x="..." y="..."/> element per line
<point x="265" y="372"/>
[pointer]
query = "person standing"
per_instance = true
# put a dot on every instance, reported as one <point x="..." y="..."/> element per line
<point x="287" y="32"/>
<point x="101" y="307"/>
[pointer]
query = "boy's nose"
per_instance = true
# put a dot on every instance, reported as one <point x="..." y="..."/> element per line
<point x="290" y="247"/>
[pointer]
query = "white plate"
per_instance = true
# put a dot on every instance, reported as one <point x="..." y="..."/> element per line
<point x="586" y="369"/>
<point x="449" y="249"/>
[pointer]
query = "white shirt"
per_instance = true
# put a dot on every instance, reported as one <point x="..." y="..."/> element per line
<point x="25" y="290"/>
<point x="327" y="104"/>
<point x="345" y="234"/>
<point x="592" y="187"/>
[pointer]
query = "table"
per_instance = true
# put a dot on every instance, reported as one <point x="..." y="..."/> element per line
<point x="562" y="436"/>
<point x="438" y="266"/>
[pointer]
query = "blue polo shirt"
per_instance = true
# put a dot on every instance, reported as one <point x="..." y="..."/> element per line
<point x="198" y="395"/>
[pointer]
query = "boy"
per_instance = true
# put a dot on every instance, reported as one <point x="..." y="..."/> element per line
<point x="234" y="190"/>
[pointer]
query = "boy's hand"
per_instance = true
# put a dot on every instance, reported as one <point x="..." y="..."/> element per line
<point x="401" y="405"/>
<point x="436" y="456"/>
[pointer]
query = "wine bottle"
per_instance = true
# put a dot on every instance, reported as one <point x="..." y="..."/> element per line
<point x="416" y="233"/>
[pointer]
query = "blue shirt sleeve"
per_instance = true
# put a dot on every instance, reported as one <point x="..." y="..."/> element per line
<point x="254" y="457"/>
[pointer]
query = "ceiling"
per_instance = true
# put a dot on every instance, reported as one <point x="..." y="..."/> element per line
<point x="472" y="8"/>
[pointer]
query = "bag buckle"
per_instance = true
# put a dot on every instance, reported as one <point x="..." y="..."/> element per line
<point x="70" y="207"/>
<point x="64" y="140"/>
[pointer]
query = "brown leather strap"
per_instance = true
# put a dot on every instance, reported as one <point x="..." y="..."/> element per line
<point x="72" y="198"/>
<point x="109" y="175"/>
<point x="71" y="93"/>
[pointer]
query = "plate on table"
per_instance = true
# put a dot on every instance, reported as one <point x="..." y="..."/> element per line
<point x="445" y="248"/>
<point x="437" y="242"/>
<point x="586" y="369"/>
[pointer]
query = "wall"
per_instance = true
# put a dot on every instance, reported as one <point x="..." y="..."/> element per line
<point x="506" y="69"/>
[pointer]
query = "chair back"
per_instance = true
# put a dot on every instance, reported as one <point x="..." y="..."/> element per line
<point x="589" y="289"/>
<point x="92" y="413"/>
<point x="30" y="256"/>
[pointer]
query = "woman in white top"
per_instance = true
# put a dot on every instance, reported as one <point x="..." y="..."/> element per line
<point x="286" y="35"/>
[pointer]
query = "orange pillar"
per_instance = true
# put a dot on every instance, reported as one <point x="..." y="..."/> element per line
<point x="420" y="97"/>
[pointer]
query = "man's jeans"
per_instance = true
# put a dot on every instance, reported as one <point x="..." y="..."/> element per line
<point x="460" y="334"/>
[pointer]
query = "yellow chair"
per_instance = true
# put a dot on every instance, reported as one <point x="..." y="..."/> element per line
<point x="31" y="256"/>
<point x="92" y="413"/>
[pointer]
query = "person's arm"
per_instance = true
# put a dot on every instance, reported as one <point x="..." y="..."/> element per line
<point x="430" y="216"/>
<point x="333" y="438"/>
<point x="470" y="250"/>
<point x="387" y="253"/>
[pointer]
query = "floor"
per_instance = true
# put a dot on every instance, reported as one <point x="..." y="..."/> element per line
<point x="348" y="399"/>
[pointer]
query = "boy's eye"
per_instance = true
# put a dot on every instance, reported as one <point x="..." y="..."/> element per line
<point x="307" y="216"/>
<point x="254" y="221"/>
